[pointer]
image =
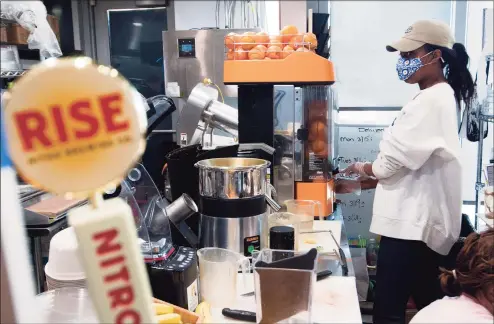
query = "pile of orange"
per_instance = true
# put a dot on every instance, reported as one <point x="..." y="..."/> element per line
<point x="318" y="129"/>
<point x="261" y="46"/>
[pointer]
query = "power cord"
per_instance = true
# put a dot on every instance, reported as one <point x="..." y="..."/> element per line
<point x="208" y="81"/>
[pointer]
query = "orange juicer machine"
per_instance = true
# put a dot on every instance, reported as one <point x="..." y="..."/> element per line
<point x="299" y="125"/>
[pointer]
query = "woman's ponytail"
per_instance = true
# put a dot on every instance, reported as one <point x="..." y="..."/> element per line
<point x="455" y="62"/>
<point x="449" y="284"/>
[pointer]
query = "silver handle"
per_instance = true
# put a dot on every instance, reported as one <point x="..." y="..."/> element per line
<point x="272" y="203"/>
<point x="337" y="244"/>
<point x="274" y="193"/>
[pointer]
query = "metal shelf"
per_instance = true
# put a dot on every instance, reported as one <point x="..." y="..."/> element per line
<point x="12" y="74"/>
<point x="479" y="185"/>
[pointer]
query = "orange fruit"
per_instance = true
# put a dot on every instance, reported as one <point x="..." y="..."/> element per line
<point x="274" y="52"/>
<point x="311" y="40"/>
<point x="256" y="54"/>
<point x="276" y="41"/>
<point x="262" y="38"/>
<point x="230" y="55"/>
<point x="296" y="42"/>
<point x="319" y="147"/>
<point x="287" y="50"/>
<point x="262" y="47"/>
<point x="317" y="131"/>
<point x="240" y="54"/>
<point x="318" y="109"/>
<point x="303" y="49"/>
<point x="230" y="40"/>
<point x="288" y="32"/>
<point x="247" y="41"/>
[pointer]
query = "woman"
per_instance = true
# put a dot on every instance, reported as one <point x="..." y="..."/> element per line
<point x="417" y="204"/>
<point x="472" y="284"/>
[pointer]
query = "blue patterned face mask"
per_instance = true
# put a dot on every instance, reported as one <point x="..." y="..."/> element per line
<point x="407" y="67"/>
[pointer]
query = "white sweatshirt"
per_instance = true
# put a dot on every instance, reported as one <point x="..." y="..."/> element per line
<point x="459" y="310"/>
<point x="419" y="192"/>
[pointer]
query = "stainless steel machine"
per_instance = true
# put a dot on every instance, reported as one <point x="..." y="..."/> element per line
<point x="189" y="57"/>
<point x="234" y="204"/>
<point x="202" y="115"/>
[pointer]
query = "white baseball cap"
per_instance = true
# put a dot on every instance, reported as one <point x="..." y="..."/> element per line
<point x="424" y="32"/>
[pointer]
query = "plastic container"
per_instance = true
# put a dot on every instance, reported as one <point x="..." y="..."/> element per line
<point x="9" y="56"/>
<point x="141" y="194"/>
<point x="348" y="184"/>
<point x="283" y="295"/>
<point x="305" y="210"/>
<point x="218" y="269"/>
<point x="63" y="261"/>
<point x="66" y="305"/>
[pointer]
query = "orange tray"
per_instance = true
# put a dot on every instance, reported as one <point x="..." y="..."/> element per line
<point x="298" y="68"/>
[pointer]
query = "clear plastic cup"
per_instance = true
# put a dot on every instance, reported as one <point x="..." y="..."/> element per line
<point x="305" y="210"/>
<point x="218" y="270"/>
<point x="348" y="184"/>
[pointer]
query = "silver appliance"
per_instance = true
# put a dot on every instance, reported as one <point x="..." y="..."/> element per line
<point x="203" y="114"/>
<point x="233" y="204"/>
<point x="190" y="56"/>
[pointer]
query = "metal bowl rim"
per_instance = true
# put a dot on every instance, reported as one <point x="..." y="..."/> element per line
<point x="263" y="164"/>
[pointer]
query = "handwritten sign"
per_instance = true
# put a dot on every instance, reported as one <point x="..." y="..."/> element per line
<point x="357" y="144"/>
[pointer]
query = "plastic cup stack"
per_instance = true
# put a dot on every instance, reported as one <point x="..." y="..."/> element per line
<point x="64" y="268"/>
<point x="66" y="305"/>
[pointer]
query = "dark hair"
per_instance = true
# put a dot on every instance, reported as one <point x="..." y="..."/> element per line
<point x="457" y="73"/>
<point x="474" y="270"/>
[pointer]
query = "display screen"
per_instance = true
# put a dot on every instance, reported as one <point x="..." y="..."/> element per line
<point x="186" y="47"/>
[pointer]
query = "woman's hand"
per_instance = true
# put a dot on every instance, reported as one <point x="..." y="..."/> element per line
<point x="350" y="186"/>
<point x="358" y="168"/>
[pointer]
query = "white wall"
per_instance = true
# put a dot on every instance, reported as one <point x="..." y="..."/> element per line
<point x="294" y="13"/>
<point x="197" y="14"/>
<point x="360" y="31"/>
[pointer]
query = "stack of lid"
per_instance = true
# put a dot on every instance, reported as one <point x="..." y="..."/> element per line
<point x="64" y="268"/>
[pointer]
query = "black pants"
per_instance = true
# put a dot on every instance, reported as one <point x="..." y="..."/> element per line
<point x="404" y="268"/>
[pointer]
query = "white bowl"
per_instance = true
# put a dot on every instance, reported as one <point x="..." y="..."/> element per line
<point x="63" y="259"/>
